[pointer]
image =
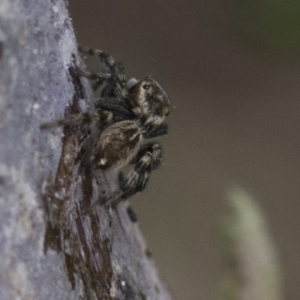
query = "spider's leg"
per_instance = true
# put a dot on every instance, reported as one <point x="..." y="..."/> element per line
<point x="148" y="159"/>
<point x="96" y="85"/>
<point x="103" y="201"/>
<point x="108" y="60"/>
<point x="102" y="117"/>
<point x="113" y="73"/>
<point x="161" y="130"/>
<point x="99" y="76"/>
<point x="89" y="51"/>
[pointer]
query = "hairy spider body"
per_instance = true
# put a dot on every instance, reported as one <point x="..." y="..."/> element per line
<point x="127" y="113"/>
<point x="118" y="144"/>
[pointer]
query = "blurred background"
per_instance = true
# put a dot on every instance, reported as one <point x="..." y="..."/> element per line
<point x="232" y="71"/>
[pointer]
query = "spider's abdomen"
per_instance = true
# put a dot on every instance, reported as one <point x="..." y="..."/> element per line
<point x="117" y="144"/>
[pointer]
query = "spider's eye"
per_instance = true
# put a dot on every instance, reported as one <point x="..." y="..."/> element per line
<point x="146" y="86"/>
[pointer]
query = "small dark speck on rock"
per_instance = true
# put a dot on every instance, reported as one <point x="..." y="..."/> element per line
<point x="132" y="214"/>
<point x="148" y="253"/>
<point x="2" y="180"/>
<point x="1" y="49"/>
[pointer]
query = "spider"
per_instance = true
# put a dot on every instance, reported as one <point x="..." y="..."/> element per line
<point x="127" y="113"/>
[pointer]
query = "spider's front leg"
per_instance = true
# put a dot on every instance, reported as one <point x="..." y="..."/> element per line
<point x="114" y="71"/>
<point x="101" y="118"/>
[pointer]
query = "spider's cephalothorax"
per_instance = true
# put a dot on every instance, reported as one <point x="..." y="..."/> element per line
<point x="127" y="113"/>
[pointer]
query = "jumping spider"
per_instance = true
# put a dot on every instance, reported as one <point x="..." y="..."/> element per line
<point x="127" y="113"/>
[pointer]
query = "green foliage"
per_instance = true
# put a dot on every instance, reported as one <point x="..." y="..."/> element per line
<point x="271" y="27"/>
